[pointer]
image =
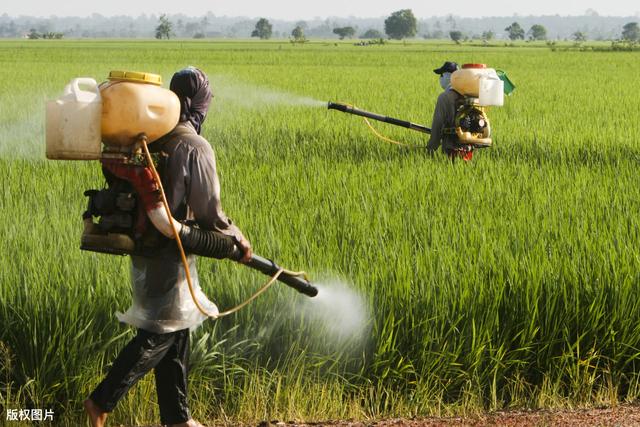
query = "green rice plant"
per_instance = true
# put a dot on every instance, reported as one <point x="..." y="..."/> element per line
<point x="508" y="282"/>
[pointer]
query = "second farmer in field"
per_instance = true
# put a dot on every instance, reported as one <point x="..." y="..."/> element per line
<point x="163" y="312"/>
<point x="443" y="123"/>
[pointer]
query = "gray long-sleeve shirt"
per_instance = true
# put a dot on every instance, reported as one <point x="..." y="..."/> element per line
<point x="444" y="118"/>
<point x="190" y="180"/>
<point x="161" y="299"/>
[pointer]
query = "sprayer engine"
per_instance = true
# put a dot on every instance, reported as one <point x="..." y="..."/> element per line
<point x="472" y="125"/>
<point x="121" y="225"/>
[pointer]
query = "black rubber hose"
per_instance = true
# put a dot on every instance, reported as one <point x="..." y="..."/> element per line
<point x="208" y="243"/>
<point x="213" y="244"/>
<point x="270" y="268"/>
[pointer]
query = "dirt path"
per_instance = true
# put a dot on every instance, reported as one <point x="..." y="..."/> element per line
<point x="622" y="416"/>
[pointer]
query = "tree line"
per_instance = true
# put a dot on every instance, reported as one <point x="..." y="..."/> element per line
<point x="630" y="33"/>
<point x="403" y="24"/>
<point x="590" y="26"/>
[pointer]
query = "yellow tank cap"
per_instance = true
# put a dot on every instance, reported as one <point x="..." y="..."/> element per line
<point x="136" y="77"/>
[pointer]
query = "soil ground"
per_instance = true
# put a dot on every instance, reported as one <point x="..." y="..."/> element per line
<point x="623" y="416"/>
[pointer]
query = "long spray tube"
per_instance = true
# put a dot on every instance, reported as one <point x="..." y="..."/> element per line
<point x="268" y="267"/>
<point x="162" y="220"/>
<point x="367" y="114"/>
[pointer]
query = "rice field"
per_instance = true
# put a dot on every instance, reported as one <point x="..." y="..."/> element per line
<point x="508" y="282"/>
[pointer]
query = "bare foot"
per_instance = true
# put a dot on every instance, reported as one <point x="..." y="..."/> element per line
<point x="190" y="423"/>
<point x="96" y="415"/>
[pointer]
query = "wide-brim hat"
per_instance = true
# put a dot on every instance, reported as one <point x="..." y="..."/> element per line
<point x="447" y="67"/>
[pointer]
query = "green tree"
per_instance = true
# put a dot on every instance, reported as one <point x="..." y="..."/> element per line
<point x="537" y="32"/>
<point x="456" y="36"/>
<point x="488" y="35"/>
<point x="515" y="31"/>
<point x="401" y="24"/>
<point x="52" y="35"/>
<point x="298" y="34"/>
<point x="264" y="29"/>
<point x="343" y="32"/>
<point x="579" y="37"/>
<point x="631" y="32"/>
<point x="372" y="34"/>
<point x="33" y="34"/>
<point x="164" y="28"/>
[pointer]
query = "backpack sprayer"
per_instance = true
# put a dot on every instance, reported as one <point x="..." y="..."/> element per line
<point x="481" y="87"/>
<point x="114" y="122"/>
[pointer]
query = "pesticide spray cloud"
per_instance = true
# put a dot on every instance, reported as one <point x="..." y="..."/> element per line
<point x="229" y="92"/>
<point x="338" y="315"/>
<point x="22" y="135"/>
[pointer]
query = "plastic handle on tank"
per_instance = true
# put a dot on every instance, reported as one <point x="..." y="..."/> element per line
<point x="88" y="81"/>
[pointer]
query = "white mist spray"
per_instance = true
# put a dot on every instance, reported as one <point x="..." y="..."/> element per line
<point x="23" y="138"/>
<point x="338" y="314"/>
<point x="250" y="96"/>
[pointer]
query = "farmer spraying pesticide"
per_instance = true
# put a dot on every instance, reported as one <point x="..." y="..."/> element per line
<point x="161" y="203"/>
<point x="460" y="122"/>
<point x="442" y="124"/>
<point x="162" y="311"/>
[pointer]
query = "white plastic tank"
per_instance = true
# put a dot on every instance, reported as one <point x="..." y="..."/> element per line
<point x="73" y="122"/>
<point x="491" y="92"/>
<point x="466" y="81"/>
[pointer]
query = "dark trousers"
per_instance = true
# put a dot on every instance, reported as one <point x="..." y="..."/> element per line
<point x="167" y="354"/>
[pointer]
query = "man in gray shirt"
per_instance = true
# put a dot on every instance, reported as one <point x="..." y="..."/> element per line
<point x="444" y="117"/>
<point x="163" y="310"/>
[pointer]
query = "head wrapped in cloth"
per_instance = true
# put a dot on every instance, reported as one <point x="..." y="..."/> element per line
<point x="192" y="87"/>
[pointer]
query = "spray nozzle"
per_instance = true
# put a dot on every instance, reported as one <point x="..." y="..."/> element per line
<point x="270" y="268"/>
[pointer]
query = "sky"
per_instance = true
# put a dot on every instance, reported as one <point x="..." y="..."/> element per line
<point x="301" y="9"/>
